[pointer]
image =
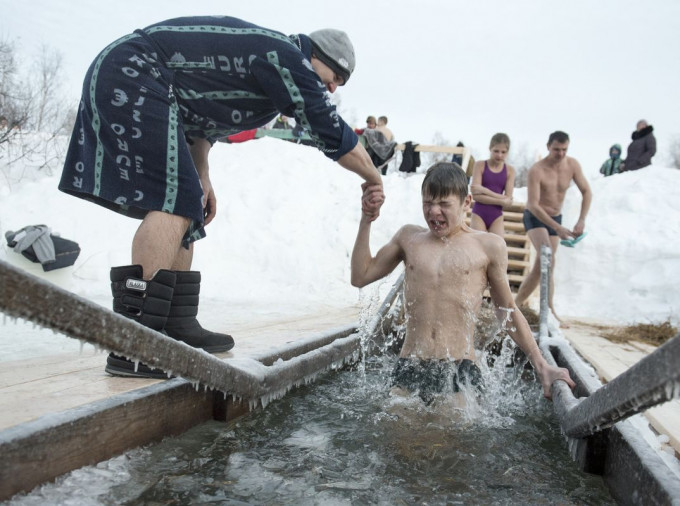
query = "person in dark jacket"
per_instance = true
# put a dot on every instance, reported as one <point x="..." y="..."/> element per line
<point x="614" y="163"/>
<point x="153" y="104"/>
<point x="642" y="149"/>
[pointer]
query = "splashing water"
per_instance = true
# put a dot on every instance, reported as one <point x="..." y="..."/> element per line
<point x="346" y="440"/>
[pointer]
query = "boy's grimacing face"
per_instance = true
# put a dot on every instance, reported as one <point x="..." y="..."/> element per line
<point x="444" y="215"/>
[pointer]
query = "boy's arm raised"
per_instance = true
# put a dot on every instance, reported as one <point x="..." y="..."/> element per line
<point x="365" y="267"/>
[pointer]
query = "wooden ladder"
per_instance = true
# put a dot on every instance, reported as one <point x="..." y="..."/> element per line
<point x="519" y="245"/>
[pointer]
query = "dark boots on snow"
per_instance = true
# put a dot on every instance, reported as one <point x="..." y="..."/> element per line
<point x="147" y="302"/>
<point x="167" y="303"/>
<point x="182" y="323"/>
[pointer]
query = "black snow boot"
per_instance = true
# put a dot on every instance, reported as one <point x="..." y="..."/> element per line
<point x="147" y="302"/>
<point x="182" y="323"/>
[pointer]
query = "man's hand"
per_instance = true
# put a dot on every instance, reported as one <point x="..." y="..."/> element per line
<point x="564" y="233"/>
<point x="209" y="200"/>
<point x="579" y="228"/>
<point x="199" y="149"/>
<point x="372" y="200"/>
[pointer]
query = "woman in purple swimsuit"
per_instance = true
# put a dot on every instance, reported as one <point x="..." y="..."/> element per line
<point x="491" y="187"/>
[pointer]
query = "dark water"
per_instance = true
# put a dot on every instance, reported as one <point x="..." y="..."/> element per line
<point x="344" y="440"/>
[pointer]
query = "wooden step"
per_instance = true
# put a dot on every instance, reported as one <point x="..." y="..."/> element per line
<point x="514" y="227"/>
<point x="518" y="264"/>
<point x="510" y="226"/>
<point x="515" y="207"/>
<point x="516" y="238"/>
<point x="517" y="278"/>
<point x="518" y="253"/>
<point x="514" y="217"/>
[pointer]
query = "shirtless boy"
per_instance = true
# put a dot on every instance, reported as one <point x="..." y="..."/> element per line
<point x="447" y="267"/>
<point x="382" y="127"/>
<point x="548" y="182"/>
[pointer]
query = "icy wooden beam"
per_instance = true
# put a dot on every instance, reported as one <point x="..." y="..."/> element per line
<point x="653" y="380"/>
<point x="25" y="296"/>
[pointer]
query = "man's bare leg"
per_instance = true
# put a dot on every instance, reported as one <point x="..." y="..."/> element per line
<point x="554" y="243"/>
<point x="158" y="243"/>
<point x="538" y="237"/>
<point x="184" y="258"/>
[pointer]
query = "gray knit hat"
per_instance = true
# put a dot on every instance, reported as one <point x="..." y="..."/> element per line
<point x="334" y="49"/>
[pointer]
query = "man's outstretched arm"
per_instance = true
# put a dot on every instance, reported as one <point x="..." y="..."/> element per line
<point x="359" y="162"/>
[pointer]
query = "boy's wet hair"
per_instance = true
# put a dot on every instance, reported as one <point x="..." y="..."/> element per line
<point x="444" y="179"/>
<point x="558" y="136"/>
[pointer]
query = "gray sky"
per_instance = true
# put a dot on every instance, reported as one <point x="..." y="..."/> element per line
<point x="465" y="69"/>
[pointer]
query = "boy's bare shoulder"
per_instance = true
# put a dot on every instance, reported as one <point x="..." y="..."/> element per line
<point x="410" y="229"/>
<point x="491" y="243"/>
<point x="408" y="233"/>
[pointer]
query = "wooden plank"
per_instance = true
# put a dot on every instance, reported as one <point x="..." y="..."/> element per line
<point x="610" y="359"/>
<point x="513" y="216"/>
<point x="39" y="386"/>
<point x="522" y="264"/>
<point x="37" y="452"/>
<point x="52" y="391"/>
<point x="514" y="227"/>
<point x="424" y="148"/>
<point x="513" y="250"/>
<point x="516" y="238"/>
<point x="516" y="207"/>
<point x="517" y="264"/>
<point x="666" y="420"/>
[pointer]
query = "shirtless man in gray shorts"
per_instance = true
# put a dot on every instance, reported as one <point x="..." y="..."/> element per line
<point x="448" y="266"/>
<point x="549" y="180"/>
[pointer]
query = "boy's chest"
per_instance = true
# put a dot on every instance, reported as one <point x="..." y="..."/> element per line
<point x="445" y="263"/>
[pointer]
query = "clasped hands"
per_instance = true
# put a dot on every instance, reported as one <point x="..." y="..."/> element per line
<point x="372" y="200"/>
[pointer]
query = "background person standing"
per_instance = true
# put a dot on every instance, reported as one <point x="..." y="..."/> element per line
<point x="642" y="148"/>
